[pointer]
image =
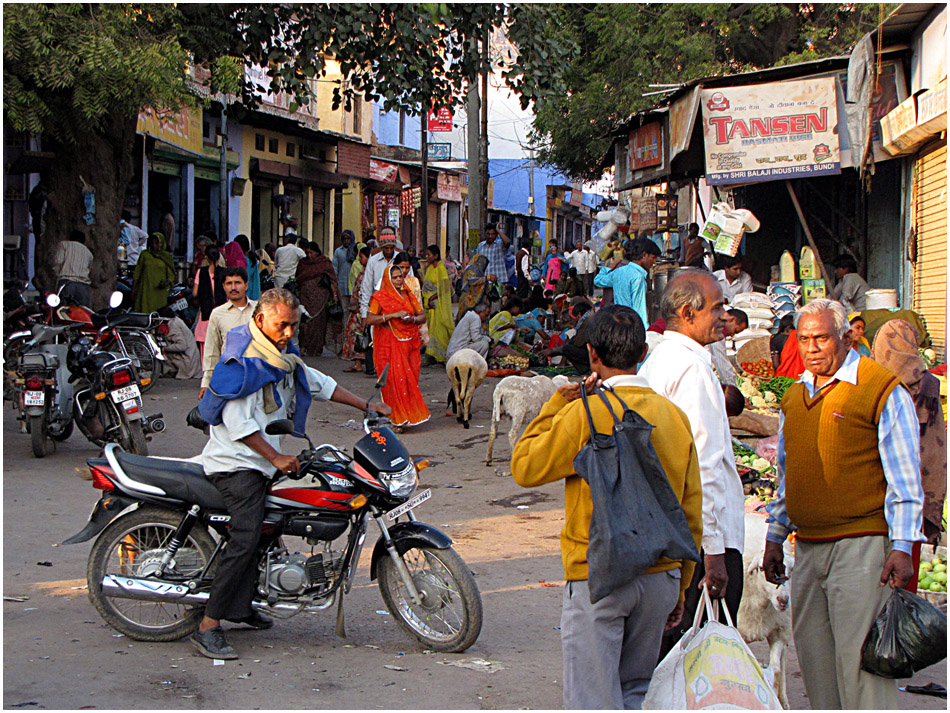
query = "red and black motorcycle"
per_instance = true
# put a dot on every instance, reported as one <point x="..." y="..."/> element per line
<point x="161" y="524"/>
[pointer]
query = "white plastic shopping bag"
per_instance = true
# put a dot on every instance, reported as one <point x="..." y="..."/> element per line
<point x="710" y="668"/>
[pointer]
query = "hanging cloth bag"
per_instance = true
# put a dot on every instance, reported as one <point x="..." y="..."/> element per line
<point x="637" y="517"/>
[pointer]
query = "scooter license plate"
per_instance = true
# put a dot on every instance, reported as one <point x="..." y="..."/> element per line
<point x="180" y="306"/>
<point x="409" y="504"/>
<point x="126" y="393"/>
<point x="34" y="398"/>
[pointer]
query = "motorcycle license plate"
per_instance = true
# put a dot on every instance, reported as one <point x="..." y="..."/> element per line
<point x="126" y="393"/>
<point x="180" y="306"/>
<point x="34" y="398"/>
<point x="409" y="504"/>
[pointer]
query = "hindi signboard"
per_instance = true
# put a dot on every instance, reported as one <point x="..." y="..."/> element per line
<point x="440" y="151"/>
<point x="179" y="128"/>
<point x="646" y="146"/>
<point x="440" y="120"/>
<point x="768" y="132"/>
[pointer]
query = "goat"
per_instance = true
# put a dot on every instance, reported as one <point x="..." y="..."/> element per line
<point x="520" y="398"/>
<point x="765" y="612"/>
<point x="466" y="369"/>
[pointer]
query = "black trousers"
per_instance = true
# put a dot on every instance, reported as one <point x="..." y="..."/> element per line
<point x="235" y="579"/>
<point x="736" y="574"/>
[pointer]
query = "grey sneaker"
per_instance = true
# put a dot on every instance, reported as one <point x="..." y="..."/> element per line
<point x="213" y="644"/>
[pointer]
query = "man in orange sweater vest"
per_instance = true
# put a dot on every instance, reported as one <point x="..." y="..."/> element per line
<point x="610" y="647"/>
<point x="849" y="483"/>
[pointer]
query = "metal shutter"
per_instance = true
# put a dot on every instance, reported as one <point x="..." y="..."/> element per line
<point x="930" y="274"/>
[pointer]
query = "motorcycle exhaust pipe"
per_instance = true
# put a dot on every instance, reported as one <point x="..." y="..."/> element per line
<point x="154" y="590"/>
<point x="155" y="424"/>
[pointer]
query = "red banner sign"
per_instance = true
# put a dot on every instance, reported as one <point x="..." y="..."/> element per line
<point x="440" y="120"/>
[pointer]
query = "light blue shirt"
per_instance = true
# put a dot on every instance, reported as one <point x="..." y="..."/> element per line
<point x="898" y="434"/>
<point x="630" y="287"/>
<point x="495" y="252"/>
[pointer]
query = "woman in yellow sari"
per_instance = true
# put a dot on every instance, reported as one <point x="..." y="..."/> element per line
<point x="437" y="301"/>
<point x="395" y="316"/>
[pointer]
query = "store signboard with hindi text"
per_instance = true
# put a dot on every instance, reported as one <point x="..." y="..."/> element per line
<point x="768" y="132"/>
<point x="179" y="128"/>
<point x="646" y="146"/>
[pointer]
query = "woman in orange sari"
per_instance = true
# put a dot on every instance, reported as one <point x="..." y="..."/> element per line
<point x="395" y="315"/>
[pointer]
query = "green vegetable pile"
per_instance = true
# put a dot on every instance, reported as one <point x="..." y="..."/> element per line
<point x="777" y="385"/>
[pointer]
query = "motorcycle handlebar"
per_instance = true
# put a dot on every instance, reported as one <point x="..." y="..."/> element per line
<point x="304" y="459"/>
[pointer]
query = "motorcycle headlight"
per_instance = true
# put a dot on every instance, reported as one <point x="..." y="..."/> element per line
<point x="401" y="484"/>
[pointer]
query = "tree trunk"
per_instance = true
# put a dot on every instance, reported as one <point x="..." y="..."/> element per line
<point x="103" y="159"/>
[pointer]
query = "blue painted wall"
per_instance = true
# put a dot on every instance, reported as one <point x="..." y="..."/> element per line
<point x="386" y="127"/>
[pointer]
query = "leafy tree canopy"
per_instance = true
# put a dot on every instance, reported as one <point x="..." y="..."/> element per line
<point x="628" y="46"/>
<point x="68" y="67"/>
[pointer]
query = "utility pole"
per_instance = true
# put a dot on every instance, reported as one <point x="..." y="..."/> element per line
<point x="483" y="137"/>
<point x="476" y="196"/>
<point x="531" y="182"/>
<point x="423" y="238"/>
<point x="223" y="227"/>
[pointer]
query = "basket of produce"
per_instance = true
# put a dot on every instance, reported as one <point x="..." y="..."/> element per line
<point x="755" y="358"/>
<point x="757" y="473"/>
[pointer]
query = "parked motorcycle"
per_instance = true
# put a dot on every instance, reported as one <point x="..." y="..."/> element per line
<point x="108" y="394"/>
<point x="43" y="393"/>
<point x="152" y="564"/>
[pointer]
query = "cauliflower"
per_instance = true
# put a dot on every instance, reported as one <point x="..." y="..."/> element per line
<point x="771" y="398"/>
<point x="748" y="390"/>
<point x="760" y="464"/>
<point x="758" y="401"/>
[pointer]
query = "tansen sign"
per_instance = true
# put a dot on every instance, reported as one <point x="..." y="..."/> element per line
<point x="768" y="132"/>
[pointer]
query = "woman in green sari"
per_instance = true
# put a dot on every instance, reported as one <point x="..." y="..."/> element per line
<point x="154" y="275"/>
<point x="437" y="301"/>
<point x="474" y="284"/>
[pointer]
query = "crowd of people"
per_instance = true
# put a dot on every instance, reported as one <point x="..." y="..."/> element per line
<point x="861" y="499"/>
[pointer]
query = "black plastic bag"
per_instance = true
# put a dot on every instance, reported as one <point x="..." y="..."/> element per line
<point x="908" y="635"/>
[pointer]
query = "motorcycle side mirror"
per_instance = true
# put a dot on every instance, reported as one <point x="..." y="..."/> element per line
<point x="381" y="381"/>
<point x="281" y="427"/>
<point x="52" y="299"/>
<point x="115" y="299"/>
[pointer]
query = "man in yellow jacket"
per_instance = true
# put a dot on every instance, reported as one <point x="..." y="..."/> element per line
<point x="610" y="648"/>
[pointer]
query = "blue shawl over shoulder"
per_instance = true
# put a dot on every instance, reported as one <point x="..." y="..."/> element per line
<point x="237" y="376"/>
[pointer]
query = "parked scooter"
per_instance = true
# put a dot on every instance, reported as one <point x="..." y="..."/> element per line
<point x="43" y="393"/>
<point x="151" y="568"/>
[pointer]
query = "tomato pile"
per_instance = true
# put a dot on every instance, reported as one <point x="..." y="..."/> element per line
<point x="762" y="367"/>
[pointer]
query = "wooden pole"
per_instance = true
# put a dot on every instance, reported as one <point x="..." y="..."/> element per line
<point x="811" y="240"/>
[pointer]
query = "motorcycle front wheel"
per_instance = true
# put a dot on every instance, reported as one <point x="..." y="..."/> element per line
<point x="38" y="434"/>
<point x="449" y="619"/>
<point x="132" y="546"/>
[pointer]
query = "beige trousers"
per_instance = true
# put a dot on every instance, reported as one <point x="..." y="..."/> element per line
<point x="836" y="595"/>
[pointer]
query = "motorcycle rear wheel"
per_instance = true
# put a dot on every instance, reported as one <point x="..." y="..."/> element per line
<point x="149" y="367"/>
<point x="133" y="438"/>
<point x="131" y="546"/>
<point x="38" y="436"/>
<point x="450" y="617"/>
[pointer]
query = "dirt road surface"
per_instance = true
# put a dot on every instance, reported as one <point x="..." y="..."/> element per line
<point x="58" y="653"/>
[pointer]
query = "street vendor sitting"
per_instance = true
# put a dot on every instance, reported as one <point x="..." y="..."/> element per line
<point x="503" y="328"/>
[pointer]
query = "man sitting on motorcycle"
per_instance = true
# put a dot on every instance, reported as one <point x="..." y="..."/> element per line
<point x="260" y="375"/>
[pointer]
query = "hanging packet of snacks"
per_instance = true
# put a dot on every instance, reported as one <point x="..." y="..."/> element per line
<point x="726" y="225"/>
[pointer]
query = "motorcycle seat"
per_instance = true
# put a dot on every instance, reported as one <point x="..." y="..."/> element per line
<point x="123" y="319"/>
<point x="182" y="480"/>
